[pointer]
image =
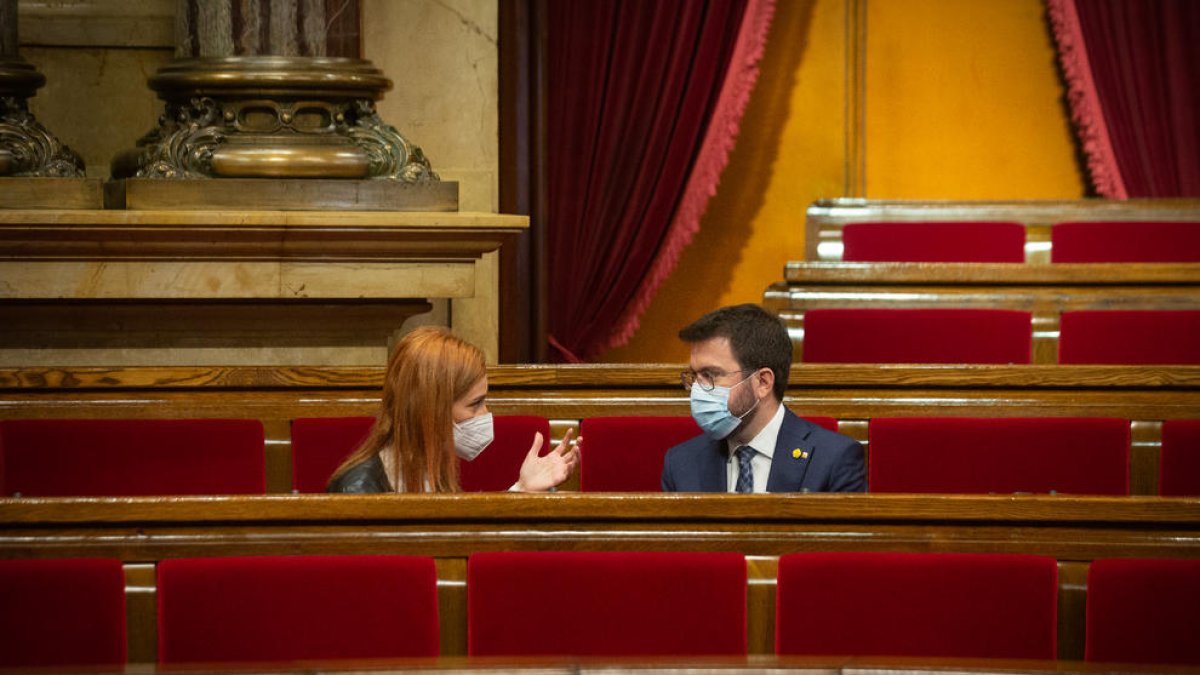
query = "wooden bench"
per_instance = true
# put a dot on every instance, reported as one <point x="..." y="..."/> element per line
<point x="826" y="218"/>
<point x="141" y="531"/>
<point x="851" y="394"/>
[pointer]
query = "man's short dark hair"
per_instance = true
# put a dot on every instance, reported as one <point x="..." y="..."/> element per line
<point x="757" y="338"/>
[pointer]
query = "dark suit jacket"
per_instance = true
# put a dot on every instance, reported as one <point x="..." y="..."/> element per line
<point x="834" y="462"/>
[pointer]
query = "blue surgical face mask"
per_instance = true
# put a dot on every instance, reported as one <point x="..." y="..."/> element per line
<point x="710" y="409"/>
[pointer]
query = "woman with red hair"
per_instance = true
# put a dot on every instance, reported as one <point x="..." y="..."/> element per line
<point x="434" y="411"/>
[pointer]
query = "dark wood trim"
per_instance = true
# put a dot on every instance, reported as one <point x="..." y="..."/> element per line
<point x="522" y="181"/>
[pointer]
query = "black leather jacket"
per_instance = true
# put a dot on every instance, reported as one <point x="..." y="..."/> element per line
<point x="364" y="478"/>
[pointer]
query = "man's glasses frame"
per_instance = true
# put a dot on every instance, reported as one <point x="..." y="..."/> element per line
<point x="707" y="381"/>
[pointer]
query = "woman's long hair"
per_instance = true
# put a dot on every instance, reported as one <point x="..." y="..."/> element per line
<point x="429" y="370"/>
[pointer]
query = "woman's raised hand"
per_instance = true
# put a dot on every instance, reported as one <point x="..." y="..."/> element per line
<point x="539" y="474"/>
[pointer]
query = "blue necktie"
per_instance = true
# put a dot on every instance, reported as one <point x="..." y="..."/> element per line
<point x="745" y="479"/>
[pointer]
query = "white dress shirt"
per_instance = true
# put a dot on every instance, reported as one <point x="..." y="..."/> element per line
<point x="760" y="462"/>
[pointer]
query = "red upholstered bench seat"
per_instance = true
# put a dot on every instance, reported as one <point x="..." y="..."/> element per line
<point x="320" y="444"/>
<point x="1130" y="337"/>
<point x="934" y="241"/>
<point x="292" y="608"/>
<point x="1125" y="241"/>
<point x="132" y="457"/>
<point x="999" y="455"/>
<point x="63" y="612"/>
<point x="906" y="604"/>
<point x="1143" y="611"/>
<point x="917" y="336"/>
<point x="1179" y="472"/>
<point x="606" y="604"/>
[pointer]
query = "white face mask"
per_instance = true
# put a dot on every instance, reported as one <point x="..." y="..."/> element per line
<point x="472" y="435"/>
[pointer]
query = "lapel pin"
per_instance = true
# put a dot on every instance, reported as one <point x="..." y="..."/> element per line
<point x="799" y="454"/>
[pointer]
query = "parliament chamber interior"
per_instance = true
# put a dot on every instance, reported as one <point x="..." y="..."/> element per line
<point x="989" y="281"/>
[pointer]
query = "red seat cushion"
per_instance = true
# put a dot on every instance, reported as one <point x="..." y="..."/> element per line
<point x="1125" y="241"/>
<point x="917" y="336"/>
<point x="1179" y="471"/>
<point x="133" y="457"/>
<point x="934" y="241"/>
<point x="606" y="604"/>
<point x="1129" y="337"/>
<point x="320" y="445"/>
<point x="499" y="465"/>
<point x="1143" y="611"/>
<point x="625" y="454"/>
<point x="903" y="604"/>
<point x="1001" y="455"/>
<point x="63" y="612"/>
<point x="292" y="608"/>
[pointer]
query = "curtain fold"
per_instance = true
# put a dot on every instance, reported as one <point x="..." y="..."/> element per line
<point x="1133" y="78"/>
<point x="644" y="100"/>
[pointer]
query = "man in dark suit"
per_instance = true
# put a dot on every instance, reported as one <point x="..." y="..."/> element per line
<point x="738" y="373"/>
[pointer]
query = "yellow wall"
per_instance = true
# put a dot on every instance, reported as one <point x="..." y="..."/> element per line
<point x="961" y="101"/>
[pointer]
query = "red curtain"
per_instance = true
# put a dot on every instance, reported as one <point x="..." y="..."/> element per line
<point x="643" y="105"/>
<point x="1133" y="75"/>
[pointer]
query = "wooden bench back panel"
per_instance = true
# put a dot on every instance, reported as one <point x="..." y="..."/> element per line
<point x="826" y="218"/>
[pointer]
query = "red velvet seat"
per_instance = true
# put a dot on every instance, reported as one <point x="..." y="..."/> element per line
<point x="906" y="604"/>
<point x="319" y="444"/>
<point x="295" y="608"/>
<point x="133" y="457"/>
<point x="1179" y="471"/>
<point x="499" y="465"/>
<point x="606" y="604"/>
<point x="917" y="336"/>
<point x="1001" y="455"/>
<point x="934" y="241"/>
<point x="625" y="454"/>
<point x="62" y="612"/>
<point x="1125" y="241"/>
<point x="1130" y="337"/>
<point x="1143" y="611"/>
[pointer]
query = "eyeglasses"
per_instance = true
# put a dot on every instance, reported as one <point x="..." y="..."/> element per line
<point x="706" y="379"/>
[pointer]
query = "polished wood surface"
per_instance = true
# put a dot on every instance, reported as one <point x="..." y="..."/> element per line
<point x="141" y="531"/>
<point x="852" y="394"/>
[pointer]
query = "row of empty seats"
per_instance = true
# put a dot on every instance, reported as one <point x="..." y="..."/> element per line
<point x="240" y="609"/>
<point x="984" y="241"/>
<point x="1068" y="455"/>
<point x="982" y="335"/>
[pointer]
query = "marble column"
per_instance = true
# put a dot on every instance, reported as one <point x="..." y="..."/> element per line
<point x="27" y="149"/>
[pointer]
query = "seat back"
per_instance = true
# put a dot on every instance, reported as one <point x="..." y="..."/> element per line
<point x="1143" y="611"/>
<point x="1001" y="455"/>
<point x="131" y="457"/>
<point x="294" y="608"/>
<point x="606" y="604"/>
<point x="1179" y="471"/>
<point x="1129" y="337"/>
<point x="62" y="612"/>
<point x="320" y="444"/>
<point x="906" y="604"/>
<point x="625" y="454"/>
<point x="1125" y="241"/>
<point x="917" y="336"/>
<point x="934" y="241"/>
<point x="499" y="465"/>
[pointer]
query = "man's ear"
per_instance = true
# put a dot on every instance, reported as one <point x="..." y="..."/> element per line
<point x="764" y="382"/>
